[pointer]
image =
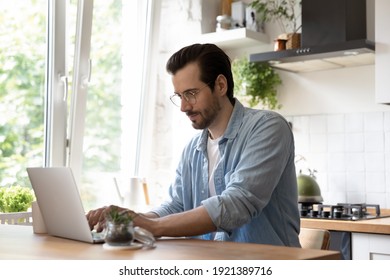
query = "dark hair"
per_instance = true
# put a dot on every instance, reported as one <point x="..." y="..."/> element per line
<point x="212" y="62"/>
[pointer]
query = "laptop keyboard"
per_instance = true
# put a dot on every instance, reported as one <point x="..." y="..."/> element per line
<point x="97" y="236"/>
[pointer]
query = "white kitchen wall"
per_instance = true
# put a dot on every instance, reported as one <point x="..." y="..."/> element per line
<point x="341" y="132"/>
<point x="351" y="153"/>
<point x="338" y="127"/>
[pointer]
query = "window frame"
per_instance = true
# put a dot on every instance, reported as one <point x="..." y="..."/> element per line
<point x="148" y="12"/>
<point x="55" y="119"/>
<point x="81" y="77"/>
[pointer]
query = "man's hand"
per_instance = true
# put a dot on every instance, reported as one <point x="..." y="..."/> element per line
<point x="97" y="218"/>
<point x="189" y="223"/>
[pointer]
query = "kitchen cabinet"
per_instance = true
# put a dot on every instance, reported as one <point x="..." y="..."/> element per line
<point x="366" y="246"/>
<point x="382" y="53"/>
<point x="370" y="239"/>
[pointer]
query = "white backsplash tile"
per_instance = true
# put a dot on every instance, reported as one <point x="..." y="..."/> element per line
<point x="351" y="153"/>
<point x="375" y="182"/>
<point x="373" y="121"/>
<point x="301" y="124"/>
<point x="374" y="142"/>
<point x="336" y="142"/>
<point x="318" y="162"/>
<point x="376" y="198"/>
<point x="356" y="182"/>
<point x="355" y="162"/>
<point x="335" y="197"/>
<point x="387" y="142"/>
<point x="386" y="122"/>
<point x="317" y="124"/>
<point x="387" y="172"/>
<point x="318" y="143"/>
<point x="302" y="143"/>
<point x="356" y="197"/>
<point x="336" y="123"/>
<point x="374" y="162"/>
<point x="387" y="199"/>
<point x="354" y="142"/>
<point x="336" y="162"/>
<point x="354" y="122"/>
<point x="337" y="182"/>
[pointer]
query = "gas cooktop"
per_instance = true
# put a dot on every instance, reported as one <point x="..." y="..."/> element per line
<point x="340" y="211"/>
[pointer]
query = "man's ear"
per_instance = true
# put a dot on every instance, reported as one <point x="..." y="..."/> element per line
<point x="221" y="85"/>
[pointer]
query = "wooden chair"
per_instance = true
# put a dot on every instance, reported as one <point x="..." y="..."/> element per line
<point x="311" y="238"/>
<point x="16" y="218"/>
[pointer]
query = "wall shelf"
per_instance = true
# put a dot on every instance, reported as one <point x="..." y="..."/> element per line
<point x="235" y="39"/>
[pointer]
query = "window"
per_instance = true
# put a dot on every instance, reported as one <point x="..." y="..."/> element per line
<point x="107" y="97"/>
<point x="22" y="88"/>
<point x="72" y="88"/>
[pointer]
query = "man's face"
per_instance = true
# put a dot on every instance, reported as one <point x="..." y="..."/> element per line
<point x="205" y="110"/>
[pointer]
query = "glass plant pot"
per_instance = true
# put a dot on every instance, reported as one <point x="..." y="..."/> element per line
<point x="119" y="234"/>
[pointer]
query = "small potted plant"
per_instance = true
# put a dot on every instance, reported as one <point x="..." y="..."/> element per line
<point x="285" y="13"/>
<point x="15" y="199"/>
<point x="119" y="229"/>
<point x="256" y="82"/>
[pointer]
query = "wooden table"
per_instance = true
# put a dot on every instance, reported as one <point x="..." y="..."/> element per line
<point x="20" y="243"/>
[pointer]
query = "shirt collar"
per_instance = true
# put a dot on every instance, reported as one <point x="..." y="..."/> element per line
<point x="231" y="129"/>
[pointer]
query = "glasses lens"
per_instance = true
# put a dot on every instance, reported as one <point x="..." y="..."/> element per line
<point x="190" y="97"/>
<point x="176" y="100"/>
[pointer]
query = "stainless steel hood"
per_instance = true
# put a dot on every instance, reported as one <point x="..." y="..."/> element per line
<point x="334" y="35"/>
<point x="321" y="57"/>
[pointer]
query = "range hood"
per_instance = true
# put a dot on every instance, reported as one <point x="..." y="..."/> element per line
<point x="334" y="35"/>
<point x="321" y="57"/>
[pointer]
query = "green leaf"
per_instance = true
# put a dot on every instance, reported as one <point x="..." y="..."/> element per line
<point x="15" y="199"/>
<point x="258" y="81"/>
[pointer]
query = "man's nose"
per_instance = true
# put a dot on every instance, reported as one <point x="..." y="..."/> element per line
<point x="185" y="105"/>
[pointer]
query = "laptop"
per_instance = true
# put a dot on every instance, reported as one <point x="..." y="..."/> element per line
<point x="59" y="201"/>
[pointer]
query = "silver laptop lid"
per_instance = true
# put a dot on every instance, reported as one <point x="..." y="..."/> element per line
<point x="60" y="203"/>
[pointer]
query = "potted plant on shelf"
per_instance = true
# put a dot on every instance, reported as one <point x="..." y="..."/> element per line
<point x="256" y="82"/>
<point x="286" y="14"/>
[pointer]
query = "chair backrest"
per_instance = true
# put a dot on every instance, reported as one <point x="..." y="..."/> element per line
<point x="311" y="238"/>
<point x="16" y="218"/>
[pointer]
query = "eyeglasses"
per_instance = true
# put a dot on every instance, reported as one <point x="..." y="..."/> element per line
<point x="188" y="95"/>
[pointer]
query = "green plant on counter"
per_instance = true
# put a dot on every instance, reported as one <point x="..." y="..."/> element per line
<point x="15" y="199"/>
<point x="258" y="81"/>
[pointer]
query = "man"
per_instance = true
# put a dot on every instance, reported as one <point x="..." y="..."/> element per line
<point x="236" y="180"/>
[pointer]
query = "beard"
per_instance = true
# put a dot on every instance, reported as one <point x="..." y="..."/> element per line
<point x="207" y="115"/>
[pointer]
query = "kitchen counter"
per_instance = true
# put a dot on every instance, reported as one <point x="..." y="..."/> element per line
<point x="378" y="226"/>
<point x="19" y="242"/>
<point x="367" y="239"/>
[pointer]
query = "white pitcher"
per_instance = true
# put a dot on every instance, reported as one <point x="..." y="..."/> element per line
<point x="135" y="193"/>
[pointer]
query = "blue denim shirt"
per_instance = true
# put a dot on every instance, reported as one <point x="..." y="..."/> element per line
<point x="255" y="180"/>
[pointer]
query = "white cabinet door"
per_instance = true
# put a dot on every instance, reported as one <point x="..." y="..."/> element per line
<point x="367" y="246"/>
<point x="382" y="51"/>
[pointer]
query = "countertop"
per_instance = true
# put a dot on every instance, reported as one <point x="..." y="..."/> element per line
<point x="378" y="226"/>
<point x="19" y="242"/>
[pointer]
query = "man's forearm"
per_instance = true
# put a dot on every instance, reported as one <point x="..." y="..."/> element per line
<point x="188" y="223"/>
